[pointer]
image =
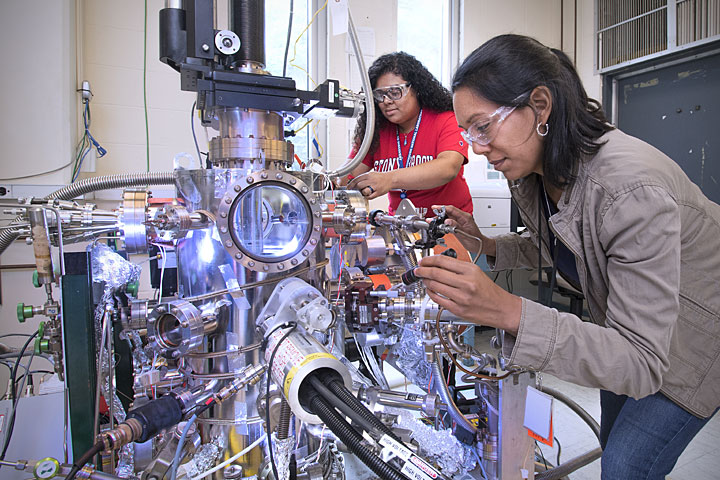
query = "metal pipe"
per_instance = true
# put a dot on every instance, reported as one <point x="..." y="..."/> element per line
<point x="105" y="182"/>
<point x="350" y="165"/>
<point x="582" y="413"/>
<point x="570" y="466"/>
<point x="440" y="387"/>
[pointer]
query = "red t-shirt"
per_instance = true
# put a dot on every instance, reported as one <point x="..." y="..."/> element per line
<point x="438" y="133"/>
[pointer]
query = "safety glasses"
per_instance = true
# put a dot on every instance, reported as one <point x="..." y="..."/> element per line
<point x="393" y="92"/>
<point x="484" y="129"/>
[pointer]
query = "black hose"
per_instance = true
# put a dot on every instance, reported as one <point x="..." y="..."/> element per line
<point x="87" y="456"/>
<point x="582" y="413"/>
<point x="570" y="466"/>
<point x="339" y="389"/>
<point x="353" y="440"/>
<point x="346" y="409"/>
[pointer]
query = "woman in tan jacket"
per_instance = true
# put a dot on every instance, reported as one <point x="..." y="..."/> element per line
<point x="615" y="217"/>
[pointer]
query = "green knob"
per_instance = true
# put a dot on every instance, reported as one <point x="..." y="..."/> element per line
<point x="24" y="312"/>
<point x="36" y="280"/>
<point x="132" y="288"/>
<point x="42" y="345"/>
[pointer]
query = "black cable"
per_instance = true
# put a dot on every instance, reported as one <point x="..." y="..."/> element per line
<point x="287" y="46"/>
<point x="557" y="461"/>
<point x="87" y="456"/>
<point x="542" y="455"/>
<point x="352" y="439"/>
<point x="346" y="409"/>
<point x="338" y="388"/>
<point x="293" y="326"/>
<point x="13" y="395"/>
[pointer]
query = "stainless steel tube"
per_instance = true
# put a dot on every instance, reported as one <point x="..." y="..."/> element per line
<point x="94" y="184"/>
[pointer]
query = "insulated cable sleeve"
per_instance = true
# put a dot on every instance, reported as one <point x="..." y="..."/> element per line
<point x="352" y="401"/>
<point x="562" y="471"/>
<point x="353" y="440"/>
<point x="586" y="417"/>
<point x="344" y="408"/>
<point x="87" y="456"/>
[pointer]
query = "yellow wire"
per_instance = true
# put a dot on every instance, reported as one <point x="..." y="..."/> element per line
<point x="322" y="150"/>
<point x="304" y="125"/>
<point x="298" y="39"/>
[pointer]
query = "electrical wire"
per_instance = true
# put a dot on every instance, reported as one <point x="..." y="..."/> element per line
<point x="287" y="47"/>
<point x="542" y="455"/>
<point x="482" y="468"/>
<point x="14" y="396"/>
<point x="178" y="449"/>
<point x="292" y="326"/>
<point x="87" y="142"/>
<point x="292" y="60"/>
<point x="32" y="175"/>
<point x="452" y="357"/>
<point x="192" y="128"/>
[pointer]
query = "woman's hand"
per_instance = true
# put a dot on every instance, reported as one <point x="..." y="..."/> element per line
<point x="463" y="289"/>
<point x="465" y="222"/>
<point x="372" y="184"/>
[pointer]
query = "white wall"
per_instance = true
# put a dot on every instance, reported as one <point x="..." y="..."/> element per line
<point x="37" y="130"/>
<point x="541" y="19"/>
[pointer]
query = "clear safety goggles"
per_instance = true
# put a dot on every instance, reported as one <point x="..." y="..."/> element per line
<point x="393" y="92"/>
<point x="484" y="129"/>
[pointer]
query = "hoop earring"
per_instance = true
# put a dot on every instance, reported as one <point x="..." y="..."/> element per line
<point x="542" y="134"/>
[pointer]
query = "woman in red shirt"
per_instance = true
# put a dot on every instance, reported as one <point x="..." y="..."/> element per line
<point x="417" y="151"/>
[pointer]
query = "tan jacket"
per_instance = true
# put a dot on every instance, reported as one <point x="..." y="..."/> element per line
<point x="647" y="248"/>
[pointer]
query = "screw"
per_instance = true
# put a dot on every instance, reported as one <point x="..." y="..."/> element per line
<point x="237" y="188"/>
<point x="263" y="175"/>
<point x="278" y="176"/>
<point x="250" y="179"/>
<point x="205" y="47"/>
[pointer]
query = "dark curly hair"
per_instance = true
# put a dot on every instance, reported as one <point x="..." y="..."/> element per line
<point x="430" y="93"/>
<point x="507" y="66"/>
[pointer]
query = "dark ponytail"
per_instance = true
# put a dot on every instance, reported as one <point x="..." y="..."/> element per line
<point x="508" y="66"/>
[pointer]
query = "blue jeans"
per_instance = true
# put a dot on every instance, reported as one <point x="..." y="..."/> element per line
<point x="642" y="439"/>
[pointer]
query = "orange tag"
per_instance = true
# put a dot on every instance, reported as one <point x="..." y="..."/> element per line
<point x="538" y="415"/>
<point x="546" y="441"/>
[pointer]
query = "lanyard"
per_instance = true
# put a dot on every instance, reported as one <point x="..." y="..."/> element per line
<point x="401" y="161"/>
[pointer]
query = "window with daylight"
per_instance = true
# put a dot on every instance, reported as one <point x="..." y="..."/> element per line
<point x="277" y="14"/>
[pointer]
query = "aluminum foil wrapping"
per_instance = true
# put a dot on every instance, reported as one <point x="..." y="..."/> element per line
<point x="409" y="354"/>
<point x="125" y="468"/>
<point x="438" y="446"/>
<point x="203" y="460"/>
<point x="283" y="449"/>
<point x="111" y="268"/>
